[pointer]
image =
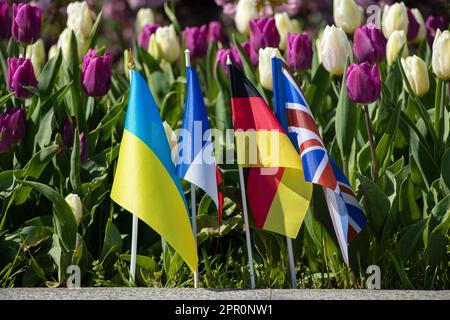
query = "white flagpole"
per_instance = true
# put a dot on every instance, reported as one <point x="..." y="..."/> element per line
<point x="134" y="229"/>
<point x="291" y="262"/>
<point x="187" y="54"/>
<point x="194" y="229"/>
<point x="247" y="227"/>
<point x="134" y="234"/>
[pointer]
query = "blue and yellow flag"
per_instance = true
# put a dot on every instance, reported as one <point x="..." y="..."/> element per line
<point x="145" y="182"/>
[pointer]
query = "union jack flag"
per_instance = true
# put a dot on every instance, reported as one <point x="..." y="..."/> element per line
<point x="319" y="168"/>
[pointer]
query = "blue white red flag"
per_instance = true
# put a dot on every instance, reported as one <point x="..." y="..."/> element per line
<point x="196" y="162"/>
<point x="319" y="168"/>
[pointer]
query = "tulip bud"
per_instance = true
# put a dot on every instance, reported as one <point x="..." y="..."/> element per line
<point x="67" y="130"/>
<point x="416" y="25"/>
<point x="441" y="55"/>
<point x="363" y="83"/>
<point x="80" y="18"/>
<point x="347" y="15"/>
<point x="83" y="148"/>
<point x="395" y="18"/>
<point x="263" y="33"/>
<point x="396" y="41"/>
<point x="215" y="32"/>
<point x="196" y="40"/>
<point x="36" y="52"/>
<point x="284" y="26"/>
<point x="145" y="34"/>
<point x="319" y="42"/>
<point x="335" y="50"/>
<point x="265" y="66"/>
<point x="432" y="25"/>
<point x="96" y="73"/>
<point x="21" y="74"/>
<point x="299" y="51"/>
<point x="164" y="44"/>
<point x="5" y="134"/>
<point x="5" y="20"/>
<point x="53" y="51"/>
<point x="64" y="43"/>
<point x="26" y="23"/>
<point x="144" y="16"/>
<point x="245" y="11"/>
<point x="417" y="74"/>
<point x="222" y="54"/>
<point x="74" y="202"/>
<point x="17" y="124"/>
<point x="369" y="44"/>
<point x="251" y="53"/>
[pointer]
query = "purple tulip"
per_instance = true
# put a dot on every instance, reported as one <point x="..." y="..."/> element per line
<point x="20" y="74"/>
<point x="83" y="148"/>
<point x="432" y="24"/>
<point x="215" y="32"/>
<point x="222" y="54"/>
<point x="96" y="73"/>
<point x="26" y="24"/>
<point x="197" y="40"/>
<point x="17" y="124"/>
<point x="251" y="53"/>
<point x="369" y="44"/>
<point x="5" y="20"/>
<point x="5" y="133"/>
<point x="67" y="130"/>
<point x="363" y="83"/>
<point x="413" y="25"/>
<point x="263" y="33"/>
<point x="144" y="36"/>
<point x="299" y="51"/>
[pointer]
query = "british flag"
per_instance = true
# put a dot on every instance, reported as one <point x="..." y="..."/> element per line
<point x="319" y="168"/>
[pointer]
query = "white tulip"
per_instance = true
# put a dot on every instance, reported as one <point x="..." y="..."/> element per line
<point x="395" y="18"/>
<point x="74" y="202"/>
<point x="396" y="41"/>
<point x="422" y="29"/>
<point x="164" y="44"/>
<point x="36" y="52"/>
<point x="265" y="66"/>
<point x="64" y="43"/>
<point x="417" y="74"/>
<point x="143" y="17"/>
<point x="245" y="11"/>
<point x="347" y="15"/>
<point x="335" y="49"/>
<point x="441" y="55"/>
<point x="80" y="18"/>
<point x="285" y="25"/>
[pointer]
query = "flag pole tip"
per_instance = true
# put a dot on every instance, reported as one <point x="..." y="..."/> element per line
<point x="131" y="65"/>
<point x="187" y="54"/>
<point x="228" y="60"/>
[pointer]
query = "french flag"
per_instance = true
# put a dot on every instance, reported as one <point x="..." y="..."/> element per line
<point x="196" y="162"/>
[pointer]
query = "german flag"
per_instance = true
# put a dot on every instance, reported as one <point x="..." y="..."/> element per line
<point x="278" y="197"/>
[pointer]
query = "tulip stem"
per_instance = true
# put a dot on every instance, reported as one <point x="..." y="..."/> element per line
<point x="439" y="107"/>
<point x="372" y="144"/>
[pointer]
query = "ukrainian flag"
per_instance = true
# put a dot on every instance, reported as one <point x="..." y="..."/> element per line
<point x="145" y="181"/>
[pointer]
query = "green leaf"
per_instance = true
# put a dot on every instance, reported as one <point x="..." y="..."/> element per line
<point x="172" y="17"/>
<point x="376" y="204"/>
<point x="317" y="89"/>
<point x="5" y="98"/>
<point x="410" y="240"/>
<point x="75" y="180"/>
<point x="112" y="244"/>
<point x="93" y="35"/>
<point x="65" y="224"/>
<point x="345" y="122"/>
<point x="60" y="258"/>
<point x="143" y="262"/>
<point x="169" y="109"/>
<point x="48" y="74"/>
<point x="445" y="168"/>
<point x="409" y="210"/>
